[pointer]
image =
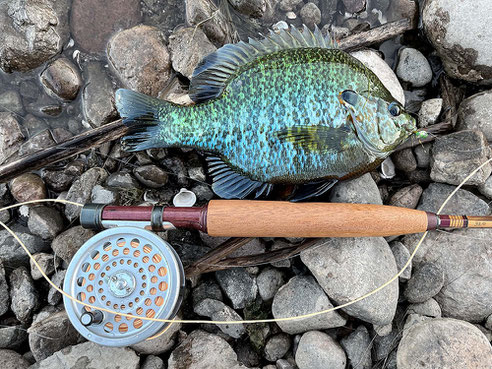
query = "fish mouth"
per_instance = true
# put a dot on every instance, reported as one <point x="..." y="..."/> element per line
<point x="359" y="133"/>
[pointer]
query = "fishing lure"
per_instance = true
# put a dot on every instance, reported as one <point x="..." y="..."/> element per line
<point x="288" y="109"/>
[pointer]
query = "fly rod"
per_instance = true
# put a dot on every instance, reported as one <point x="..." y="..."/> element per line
<point x="250" y="218"/>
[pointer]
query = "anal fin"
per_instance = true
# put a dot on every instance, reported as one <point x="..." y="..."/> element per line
<point x="313" y="189"/>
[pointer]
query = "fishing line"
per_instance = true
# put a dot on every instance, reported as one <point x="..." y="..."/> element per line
<point x="224" y="322"/>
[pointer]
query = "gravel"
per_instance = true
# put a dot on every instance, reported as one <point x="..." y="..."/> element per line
<point x="317" y="350"/>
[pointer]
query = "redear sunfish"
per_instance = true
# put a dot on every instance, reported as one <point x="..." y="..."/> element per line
<point x="290" y="109"/>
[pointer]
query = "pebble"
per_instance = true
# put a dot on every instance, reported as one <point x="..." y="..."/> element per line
<point x="4" y="293"/>
<point x="188" y="46"/>
<point x="98" y="95"/>
<point x="12" y="337"/>
<point x="54" y="297"/>
<point x="203" y="350"/>
<point x="51" y="334"/>
<point x="463" y="202"/>
<point x="45" y="222"/>
<point x="90" y="355"/>
<point x="61" y="180"/>
<point x="358" y="345"/>
<point x="11" y="101"/>
<point x="414" y="100"/>
<point x="253" y="247"/>
<point x="140" y="59"/>
<point x="177" y="167"/>
<point x="47" y="262"/>
<point x="406" y="197"/>
<point x="203" y="192"/>
<point x="11" y="136"/>
<point x="354" y="6"/>
<point x="289" y="5"/>
<point x="486" y="188"/>
<point x="444" y="343"/>
<point x="310" y="15"/>
<point x="300" y="296"/>
<point x="401" y="254"/>
<point x="121" y="180"/>
<point x="66" y="244"/>
<point x="12" y="253"/>
<point x="207" y="289"/>
<point x="425" y="283"/>
<point x="384" y="345"/>
<point x="463" y="45"/>
<point x="151" y="176"/>
<point x="422" y="154"/>
<point x="277" y="346"/>
<point x="318" y="350"/>
<point x="103" y="195"/>
<point x="218" y="311"/>
<point x="349" y="191"/>
<point x="93" y="22"/>
<point x="456" y="155"/>
<point x="251" y="8"/>
<point x="41" y="140"/>
<point x="162" y="344"/>
<point x="474" y="113"/>
<point x="61" y="78"/>
<point x="429" y="112"/>
<point x="429" y="308"/>
<point x="347" y="268"/>
<point x="25" y="299"/>
<point x="238" y="286"/>
<point x="414" y="319"/>
<point x="32" y="33"/>
<point x="413" y="67"/>
<point x="269" y="281"/>
<point x="28" y="187"/>
<point x="405" y="160"/>
<point x="153" y="362"/>
<point x="81" y="189"/>
<point x="12" y="360"/>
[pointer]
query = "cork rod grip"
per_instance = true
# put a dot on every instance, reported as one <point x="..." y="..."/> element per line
<point x="240" y="218"/>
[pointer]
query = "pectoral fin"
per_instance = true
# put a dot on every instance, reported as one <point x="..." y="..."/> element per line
<point x="316" y="138"/>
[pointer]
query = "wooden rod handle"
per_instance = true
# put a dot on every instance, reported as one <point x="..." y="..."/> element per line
<point x="248" y="218"/>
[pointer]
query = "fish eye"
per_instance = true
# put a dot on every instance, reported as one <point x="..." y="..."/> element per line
<point x="350" y="97"/>
<point x="394" y="109"/>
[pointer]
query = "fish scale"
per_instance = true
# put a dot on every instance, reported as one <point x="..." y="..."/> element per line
<point x="275" y="111"/>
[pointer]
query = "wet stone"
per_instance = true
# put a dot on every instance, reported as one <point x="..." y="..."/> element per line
<point x="61" y="78"/>
<point x="188" y="46"/>
<point x="413" y="67"/>
<point x="93" y="22"/>
<point x="426" y="282"/>
<point x="428" y="307"/>
<point x="238" y="286"/>
<point x="37" y="142"/>
<point x="11" y="101"/>
<point x="251" y="8"/>
<point x="429" y="112"/>
<point x="140" y="59"/>
<point x="318" y="350"/>
<point x="277" y="346"/>
<point x="269" y="281"/>
<point x="45" y="222"/>
<point x="12" y="360"/>
<point x="357" y="345"/>
<point x="310" y="15"/>
<point x="25" y="299"/>
<point x="27" y="187"/>
<point x="401" y="254"/>
<point x="12" y="253"/>
<point x="4" y="293"/>
<point x="151" y="176"/>
<point x="300" y="296"/>
<point x="47" y="262"/>
<point x="66" y="244"/>
<point x="405" y="160"/>
<point x="407" y="197"/>
<point x="11" y="136"/>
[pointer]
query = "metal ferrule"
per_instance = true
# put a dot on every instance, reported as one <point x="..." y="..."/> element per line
<point x="91" y="216"/>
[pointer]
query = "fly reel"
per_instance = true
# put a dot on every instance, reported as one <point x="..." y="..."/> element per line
<point x="129" y="270"/>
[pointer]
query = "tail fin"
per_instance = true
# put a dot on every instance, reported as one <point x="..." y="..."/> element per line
<point x="141" y="114"/>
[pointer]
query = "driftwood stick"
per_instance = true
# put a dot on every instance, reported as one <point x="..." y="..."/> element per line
<point x="75" y="145"/>
<point x="214" y="256"/>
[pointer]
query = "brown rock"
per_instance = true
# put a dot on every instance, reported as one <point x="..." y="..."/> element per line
<point x="407" y="197"/>
<point x="62" y="79"/>
<point x="27" y="187"/>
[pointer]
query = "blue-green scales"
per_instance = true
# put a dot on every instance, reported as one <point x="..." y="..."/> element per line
<point x="289" y="109"/>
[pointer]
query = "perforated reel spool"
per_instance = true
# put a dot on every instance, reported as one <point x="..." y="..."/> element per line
<point x="129" y="270"/>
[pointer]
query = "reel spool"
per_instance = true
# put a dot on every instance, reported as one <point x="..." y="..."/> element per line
<point x="129" y="270"/>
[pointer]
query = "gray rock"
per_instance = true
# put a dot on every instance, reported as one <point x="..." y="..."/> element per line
<point x="90" y="355"/>
<point x="300" y="296"/>
<point x="429" y="307"/>
<point x="456" y="155"/>
<point x="285" y="364"/>
<point x="310" y="15"/>
<point x="384" y="345"/>
<point x="103" y="195"/>
<point x="188" y="46"/>
<point x="426" y="282"/>
<point x="269" y="281"/>
<point x="140" y="59"/>
<point x="66" y="244"/>
<point x="11" y="101"/>
<point x="238" y="286"/>
<point x="358" y="345"/>
<point x="202" y="192"/>
<point x="383" y="330"/>
<point x="50" y="335"/>
<point x="401" y="254"/>
<point x="463" y="202"/>
<point x="407" y="197"/>
<point x="317" y="350"/>
<point x="414" y="99"/>
<point x="488" y="323"/>
<point x="12" y="360"/>
<point x="25" y="299"/>
<point x="12" y="254"/>
<point x="218" y="311"/>
<point x="208" y="289"/>
<point x="4" y="292"/>
<point x="203" y="350"/>
<point x="61" y="180"/>
<point x="41" y="140"/>
<point x="61" y="78"/>
<point x="11" y="136"/>
<point x="462" y="45"/>
<point x="350" y="191"/>
<point x="429" y="112"/>
<point x="153" y="362"/>
<point x="289" y="5"/>
<point x="54" y="297"/>
<point x="444" y="343"/>
<point x="47" y="262"/>
<point x="277" y="346"/>
<point x="251" y="8"/>
<point x="348" y="268"/>
<point x="354" y="6"/>
<point x="12" y="337"/>
<point x="255" y="246"/>
<point x="474" y="113"/>
<point x="414" y="319"/>
<point x="161" y="344"/>
<point x="405" y="160"/>
<point x="31" y="33"/>
<point x="45" y="222"/>
<point x="467" y="291"/>
<point x="81" y="189"/>
<point x="422" y="154"/>
<point x="98" y="95"/>
<point x="413" y="67"/>
<point x="121" y="180"/>
<point x="151" y="176"/>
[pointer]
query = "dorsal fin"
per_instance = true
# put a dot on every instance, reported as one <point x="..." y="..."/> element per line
<point x="212" y="73"/>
